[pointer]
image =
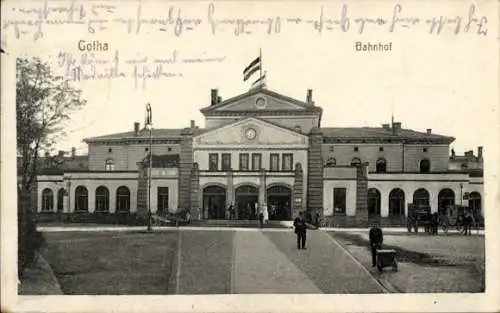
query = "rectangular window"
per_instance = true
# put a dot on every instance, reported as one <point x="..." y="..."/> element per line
<point x="274" y="162"/>
<point x="226" y="161"/>
<point x="256" y="161"/>
<point x="339" y="200"/>
<point x="213" y="162"/>
<point x="287" y="161"/>
<point x="244" y="160"/>
<point x="162" y="205"/>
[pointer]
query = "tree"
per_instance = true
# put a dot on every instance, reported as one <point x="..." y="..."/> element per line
<point x="44" y="103"/>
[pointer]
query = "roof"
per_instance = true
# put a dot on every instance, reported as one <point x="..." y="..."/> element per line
<point x="379" y="132"/>
<point x="164" y="133"/>
<point x="305" y="106"/>
<point x="57" y="164"/>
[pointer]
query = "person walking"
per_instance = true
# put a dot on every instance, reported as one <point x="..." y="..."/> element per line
<point x="376" y="240"/>
<point x="300" y="230"/>
<point x="468" y="221"/>
<point x="261" y="218"/>
<point x="266" y="213"/>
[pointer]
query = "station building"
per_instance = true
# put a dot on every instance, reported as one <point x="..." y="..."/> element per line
<point x="264" y="149"/>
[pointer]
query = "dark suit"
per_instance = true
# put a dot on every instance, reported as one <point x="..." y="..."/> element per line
<point x="300" y="230"/>
<point x="376" y="239"/>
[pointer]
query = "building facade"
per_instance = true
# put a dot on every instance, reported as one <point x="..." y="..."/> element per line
<point x="263" y="149"/>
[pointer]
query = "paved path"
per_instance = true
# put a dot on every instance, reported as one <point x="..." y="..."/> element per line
<point x="242" y="262"/>
<point x="259" y="267"/>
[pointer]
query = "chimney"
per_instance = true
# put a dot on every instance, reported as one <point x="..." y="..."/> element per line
<point x="136" y="127"/>
<point x="480" y="152"/>
<point x="73" y="152"/>
<point x="193" y="125"/>
<point x="60" y="153"/>
<point x="309" y="96"/>
<point x="396" y="126"/>
<point x="219" y="99"/>
<point x="386" y="126"/>
<point x="429" y="131"/>
<point x="214" y="97"/>
<point x="297" y="128"/>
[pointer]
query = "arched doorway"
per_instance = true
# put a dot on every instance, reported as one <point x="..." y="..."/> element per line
<point x="60" y="200"/>
<point x="102" y="199"/>
<point x="47" y="200"/>
<point x="122" y="199"/>
<point x="425" y="166"/>
<point x="421" y="198"/>
<point x="373" y="202"/>
<point x="397" y="202"/>
<point x="279" y="199"/>
<point x="446" y="199"/>
<point x="475" y="203"/>
<point x="214" y="202"/>
<point x="246" y="199"/>
<point x="81" y="199"/>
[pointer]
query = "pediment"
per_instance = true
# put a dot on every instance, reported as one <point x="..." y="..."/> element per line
<point x="251" y="132"/>
<point x="260" y="100"/>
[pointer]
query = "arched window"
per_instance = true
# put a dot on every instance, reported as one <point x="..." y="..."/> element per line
<point x="60" y="199"/>
<point x="81" y="199"/>
<point x="421" y="198"/>
<point x="355" y="162"/>
<point x="47" y="200"/>
<point x="110" y="165"/>
<point x="102" y="199"/>
<point x="425" y="166"/>
<point x="331" y="162"/>
<point x="381" y="166"/>
<point x="122" y="199"/>
<point x="446" y="199"/>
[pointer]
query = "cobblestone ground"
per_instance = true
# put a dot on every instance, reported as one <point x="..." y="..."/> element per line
<point x="442" y="263"/>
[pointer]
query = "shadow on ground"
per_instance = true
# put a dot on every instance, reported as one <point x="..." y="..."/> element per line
<point x="404" y="256"/>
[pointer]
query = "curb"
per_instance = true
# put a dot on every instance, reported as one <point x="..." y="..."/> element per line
<point x="40" y="279"/>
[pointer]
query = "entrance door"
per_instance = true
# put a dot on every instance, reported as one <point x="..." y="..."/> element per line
<point x="214" y="201"/>
<point x="278" y="203"/>
<point x="247" y="198"/>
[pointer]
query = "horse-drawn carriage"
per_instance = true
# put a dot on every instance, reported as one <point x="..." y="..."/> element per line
<point x="448" y="217"/>
<point x="418" y="215"/>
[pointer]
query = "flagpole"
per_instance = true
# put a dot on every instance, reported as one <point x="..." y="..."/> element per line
<point x="150" y="125"/>
<point x="261" y="64"/>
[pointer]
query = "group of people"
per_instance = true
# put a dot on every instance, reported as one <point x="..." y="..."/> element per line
<point x="466" y="220"/>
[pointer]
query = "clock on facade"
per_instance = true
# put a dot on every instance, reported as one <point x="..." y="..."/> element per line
<point x="250" y="133"/>
<point x="260" y="103"/>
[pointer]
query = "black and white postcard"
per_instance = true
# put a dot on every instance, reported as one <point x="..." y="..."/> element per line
<point x="250" y="156"/>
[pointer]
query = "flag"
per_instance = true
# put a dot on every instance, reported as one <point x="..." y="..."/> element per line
<point x="253" y="67"/>
<point x="260" y="81"/>
<point x="149" y="116"/>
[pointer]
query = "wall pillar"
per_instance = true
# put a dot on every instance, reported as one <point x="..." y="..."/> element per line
<point x="112" y="200"/>
<point x="195" y="189"/>
<point x="142" y="189"/>
<point x="66" y="203"/>
<point x="230" y="188"/>
<point x="298" y="191"/>
<point x="315" y="170"/>
<point x="185" y="167"/>
<point x="384" y="203"/>
<point x="361" y="194"/>
<point x="91" y="199"/>
<point x="433" y="200"/>
<point x="55" y="200"/>
<point x="262" y="190"/>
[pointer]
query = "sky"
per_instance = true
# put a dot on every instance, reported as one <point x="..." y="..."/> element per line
<point x="445" y="82"/>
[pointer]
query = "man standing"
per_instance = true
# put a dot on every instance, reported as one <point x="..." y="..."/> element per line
<point x="376" y="239"/>
<point x="300" y="230"/>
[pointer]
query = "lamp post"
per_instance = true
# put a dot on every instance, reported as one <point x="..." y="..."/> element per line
<point x="149" y="125"/>
<point x="461" y="193"/>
